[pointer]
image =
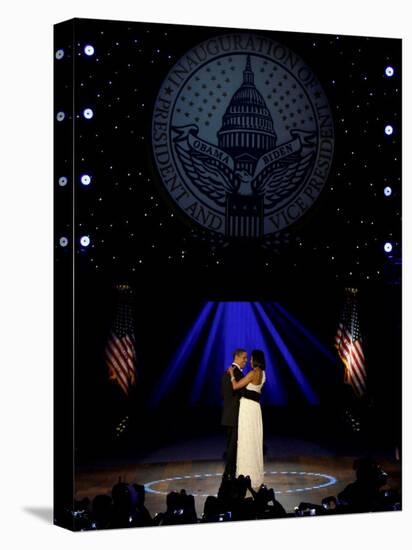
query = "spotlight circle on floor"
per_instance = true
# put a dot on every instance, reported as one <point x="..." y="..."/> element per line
<point x="60" y="54"/>
<point x="387" y="191"/>
<point x="88" y="49"/>
<point x="388" y="247"/>
<point x="88" y="113"/>
<point x="85" y="240"/>
<point x="60" y="116"/>
<point x="389" y="71"/>
<point x="63" y="181"/>
<point x="85" y="179"/>
<point x="388" y="130"/>
<point x="330" y="480"/>
<point x="64" y="241"/>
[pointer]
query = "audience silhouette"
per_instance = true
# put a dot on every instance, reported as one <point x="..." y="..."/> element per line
<point x="236" y="501"/>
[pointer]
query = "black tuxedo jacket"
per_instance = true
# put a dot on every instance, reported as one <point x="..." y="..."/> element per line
<point x="230" y="398"/>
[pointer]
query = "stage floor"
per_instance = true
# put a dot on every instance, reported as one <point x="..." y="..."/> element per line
<point x="298" y="471"/>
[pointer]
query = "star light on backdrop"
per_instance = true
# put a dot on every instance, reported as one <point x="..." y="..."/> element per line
<point x="116" y="147"/>
<point x="85" y="240"/>
<point x="63" y="241"/>
<point x="88" y="113"/>
<point x="60" y="116"/>
<point x="63" y="181"/>
<point x="85" y="179"/>
<point x="89" y="50"/>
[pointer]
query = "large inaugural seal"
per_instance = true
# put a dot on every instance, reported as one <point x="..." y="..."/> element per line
<point x="242" y="135"/>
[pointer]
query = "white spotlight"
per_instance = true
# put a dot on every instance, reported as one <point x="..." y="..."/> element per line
<point x="88" y="49"/>
<point x="85" y="179"/>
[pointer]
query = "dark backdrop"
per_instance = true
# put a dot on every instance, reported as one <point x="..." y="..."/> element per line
<point x="135" y="240"/>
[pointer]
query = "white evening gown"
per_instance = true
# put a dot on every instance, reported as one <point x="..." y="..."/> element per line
<point x="250" y="438"/>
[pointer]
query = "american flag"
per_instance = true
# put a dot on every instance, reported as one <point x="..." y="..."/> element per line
<point x="120" y="353"/>
<point x="348" y="342"/>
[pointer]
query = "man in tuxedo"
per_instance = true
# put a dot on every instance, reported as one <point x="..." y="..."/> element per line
<point x="231" y="410"/>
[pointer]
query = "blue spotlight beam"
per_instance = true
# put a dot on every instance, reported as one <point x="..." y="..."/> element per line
<point x="241" y="329"/>
<point x="297" y="373"/>
<point x="177" y="364"/>
<point x="203" y="367"/>
<point x="317" y="344"/>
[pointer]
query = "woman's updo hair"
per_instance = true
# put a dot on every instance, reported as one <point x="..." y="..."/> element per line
<point x="258" y="359"/>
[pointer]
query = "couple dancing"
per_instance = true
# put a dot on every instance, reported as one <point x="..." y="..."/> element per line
<point x="242" y="417"/>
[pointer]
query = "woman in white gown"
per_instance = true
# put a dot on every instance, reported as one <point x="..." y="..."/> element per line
<point x="250" y="427"/>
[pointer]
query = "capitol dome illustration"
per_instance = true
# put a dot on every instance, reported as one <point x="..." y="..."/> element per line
<point x="247" y="130"/>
